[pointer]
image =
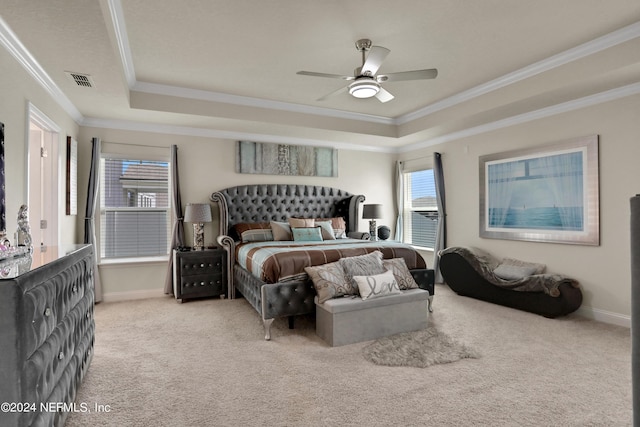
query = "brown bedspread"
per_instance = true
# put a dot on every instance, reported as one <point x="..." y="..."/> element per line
<point x="273" y="262"/>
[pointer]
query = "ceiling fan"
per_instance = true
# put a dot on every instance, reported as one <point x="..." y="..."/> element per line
<point x="365" y="82"/>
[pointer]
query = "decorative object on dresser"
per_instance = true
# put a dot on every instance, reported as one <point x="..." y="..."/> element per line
<point x="199" y="273"/>
<point x="198" y="214"/>
<point x="372" y="212"/>
<point x="47" y="335"/>
<point x="23" y="233"/>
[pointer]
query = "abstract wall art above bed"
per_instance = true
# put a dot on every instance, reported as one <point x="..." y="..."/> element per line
<point x="285" y="159"/>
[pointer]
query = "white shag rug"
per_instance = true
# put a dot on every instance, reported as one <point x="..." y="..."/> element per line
<point x="418" y="349"/>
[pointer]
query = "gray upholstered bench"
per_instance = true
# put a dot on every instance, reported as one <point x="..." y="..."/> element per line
<point x="349" y="320"/>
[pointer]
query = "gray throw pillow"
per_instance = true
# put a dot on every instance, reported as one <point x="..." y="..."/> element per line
<point x="362" y="265"/>
<point x="329" y="281"/>
<point x="401" y="272"/>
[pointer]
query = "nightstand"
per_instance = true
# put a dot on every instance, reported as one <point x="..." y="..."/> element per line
<point x="200" y="273"/>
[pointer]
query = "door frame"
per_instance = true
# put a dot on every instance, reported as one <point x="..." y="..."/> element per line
<point x="42" y="121"/>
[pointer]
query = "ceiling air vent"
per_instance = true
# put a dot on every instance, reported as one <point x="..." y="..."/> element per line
<point x="83" y="80"/>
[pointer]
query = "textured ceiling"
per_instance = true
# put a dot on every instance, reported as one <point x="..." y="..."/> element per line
<point x="230" y="66"/>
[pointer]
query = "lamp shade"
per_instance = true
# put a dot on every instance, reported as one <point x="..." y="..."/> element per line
<point x="372" y="211"/>
<point x="197" y="213"/>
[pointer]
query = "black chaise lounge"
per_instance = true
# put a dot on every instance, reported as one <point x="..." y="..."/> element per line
<point x="471" y="273"/>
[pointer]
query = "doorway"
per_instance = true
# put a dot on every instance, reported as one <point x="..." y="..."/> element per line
<point x="43" y="183"/>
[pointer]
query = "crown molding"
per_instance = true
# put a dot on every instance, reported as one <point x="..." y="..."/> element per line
<point x="607" y="41"/>
<point x="576" y="104"/>
<point x="122" y="39"/>
<point x="246" y="101"/>
<point x="220" y="134"/>
<point x="14" y="46"/>
<point x="587" y="101"/>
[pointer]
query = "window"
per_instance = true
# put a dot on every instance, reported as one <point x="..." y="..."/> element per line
<point x="135" y="218"/>
<point x="420" y="210"/>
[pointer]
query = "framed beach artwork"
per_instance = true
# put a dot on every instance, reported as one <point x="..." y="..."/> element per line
<point x="542" y="194"/>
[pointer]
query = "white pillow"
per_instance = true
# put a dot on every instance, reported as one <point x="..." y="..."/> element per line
<point x="377" y="286"/>
<point x="513" y="272"/>
<point x="514" y="269"/>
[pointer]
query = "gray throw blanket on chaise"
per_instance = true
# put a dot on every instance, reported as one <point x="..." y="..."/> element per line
<point x="485" y="265"/>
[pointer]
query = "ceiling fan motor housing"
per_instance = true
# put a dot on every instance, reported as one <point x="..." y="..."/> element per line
<point x="366" y="82"/>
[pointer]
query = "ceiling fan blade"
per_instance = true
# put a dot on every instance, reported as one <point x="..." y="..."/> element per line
<point x="384" y="95"/>
<point x="376" y="55"/>
<point x="331" y="76"/>
<point x="336" y="92"/>
<point x="408" y="75"/>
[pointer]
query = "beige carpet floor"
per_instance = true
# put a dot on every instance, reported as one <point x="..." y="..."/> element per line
<point x="205" y="363"/>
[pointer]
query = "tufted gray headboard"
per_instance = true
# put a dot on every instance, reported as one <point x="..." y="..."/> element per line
<point x="278" y="202"/>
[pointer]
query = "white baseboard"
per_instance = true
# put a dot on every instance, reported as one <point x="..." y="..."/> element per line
<point x="605" y="316"/>
<point x="132" y="295"/>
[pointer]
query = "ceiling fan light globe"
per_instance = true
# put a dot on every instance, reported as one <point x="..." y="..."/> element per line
<point x="364" y="89"/>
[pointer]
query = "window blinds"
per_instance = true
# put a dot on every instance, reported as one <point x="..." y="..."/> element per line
<point x="420" y="213"/>
<point x="134" y="208"/>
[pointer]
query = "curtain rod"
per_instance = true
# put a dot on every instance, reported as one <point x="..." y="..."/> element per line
<point x="136" y="145"/>
<point x="418" y="158"/>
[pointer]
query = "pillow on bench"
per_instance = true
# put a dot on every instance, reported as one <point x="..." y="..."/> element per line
<point x="330" y="282"/>
<point x="401" y="272"/>
<point x="338" y="279"/>
<point x="377" y="286"/>
<point x="362" y="265"/>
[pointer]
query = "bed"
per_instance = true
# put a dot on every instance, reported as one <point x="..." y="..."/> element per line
<point x="285" y="293"/>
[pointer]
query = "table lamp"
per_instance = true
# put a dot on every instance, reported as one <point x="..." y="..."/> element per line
<point x="372" y="212"/>
<point x="198" y="214"/>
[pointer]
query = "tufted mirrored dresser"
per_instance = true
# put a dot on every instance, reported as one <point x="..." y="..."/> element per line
<point x="46" y="333"/>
